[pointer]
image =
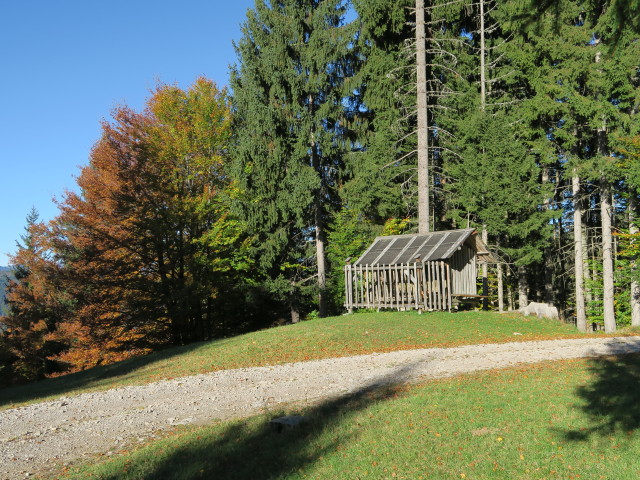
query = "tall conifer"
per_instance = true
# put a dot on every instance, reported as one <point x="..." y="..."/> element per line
<point x="293" y="124"/>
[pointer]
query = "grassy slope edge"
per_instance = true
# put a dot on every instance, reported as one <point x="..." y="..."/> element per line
<point x="320" y="338"/>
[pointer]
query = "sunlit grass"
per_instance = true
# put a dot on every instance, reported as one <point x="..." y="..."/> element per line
<point x="314" y="339"/>
<point x="557" y="420"/>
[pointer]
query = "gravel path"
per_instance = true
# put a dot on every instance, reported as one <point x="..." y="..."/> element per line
<point x="35" y="438"/>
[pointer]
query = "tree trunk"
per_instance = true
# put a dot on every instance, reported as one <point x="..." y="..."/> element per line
<point x="483" y="50"/>
<point x="586" y="268"/>
<point x="321" y="260"/>
<point x="295" y="314"/>
<point x="500" y="288"/>
<point x="606" y="215"/>
<point x="523" y="294"/>
<point x="607" y="257"/>
<point x="510" y="297"/>
<point x="578" y="252"/>
<point x="322" y="264"/>
<point x="548" y="251"/>
<point x="485" y="273"/>
<point x="423" y="120"/>
<point x="635" y="286"/>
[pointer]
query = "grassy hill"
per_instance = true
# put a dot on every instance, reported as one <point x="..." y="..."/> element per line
<point x="556" y="420"/>
<point x="355" y="334"/>
<point x="574" y="419"/>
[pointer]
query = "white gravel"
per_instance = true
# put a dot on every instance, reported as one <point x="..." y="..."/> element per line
<point x="36" y="438"/>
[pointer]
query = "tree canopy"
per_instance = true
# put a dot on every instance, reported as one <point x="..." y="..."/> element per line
<point x="214" y="211"/>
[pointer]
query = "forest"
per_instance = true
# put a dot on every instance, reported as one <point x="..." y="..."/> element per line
<point x="216" y="211"/>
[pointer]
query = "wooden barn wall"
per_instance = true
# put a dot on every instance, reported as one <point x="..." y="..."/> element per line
<point x="464" y="272"/>
<point x="420" y="286"/>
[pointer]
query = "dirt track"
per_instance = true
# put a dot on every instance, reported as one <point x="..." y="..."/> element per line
<point x="36" y="438"/>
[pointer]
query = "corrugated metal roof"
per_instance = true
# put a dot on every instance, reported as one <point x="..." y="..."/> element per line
<point x="395" y="249"/>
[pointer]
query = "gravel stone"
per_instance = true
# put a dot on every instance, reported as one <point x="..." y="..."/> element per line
<point x="39" y="438"/>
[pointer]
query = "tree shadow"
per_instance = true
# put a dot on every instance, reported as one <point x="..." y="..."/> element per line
<point x="246" y="450"/>
<point x="100" y="378"/>
<point x="612" y="400"/>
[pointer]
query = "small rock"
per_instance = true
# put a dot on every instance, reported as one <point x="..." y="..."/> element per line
<point x="541" y="310"/>
<point x="290" y="421"/>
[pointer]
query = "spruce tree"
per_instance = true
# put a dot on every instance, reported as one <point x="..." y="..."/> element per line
<point x="293" y="123"/>
<point x="379" y="168"/>
<point x="577" y="59"/>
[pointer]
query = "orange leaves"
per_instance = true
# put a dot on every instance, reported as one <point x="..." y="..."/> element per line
<point x="137" y="251"/>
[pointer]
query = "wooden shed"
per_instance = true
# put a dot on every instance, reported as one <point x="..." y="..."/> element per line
<point x="418" y="271"/>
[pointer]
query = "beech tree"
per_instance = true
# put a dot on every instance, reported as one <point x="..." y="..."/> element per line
<point x="148" y="241"/>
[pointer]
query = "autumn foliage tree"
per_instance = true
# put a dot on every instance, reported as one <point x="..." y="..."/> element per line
<point x="148" y="237"/>
<point x="36" y="305"/>
<point x="147" y="248"/>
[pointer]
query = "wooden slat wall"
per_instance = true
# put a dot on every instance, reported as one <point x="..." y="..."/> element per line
<point x="464" y="272"/>
<point x="425" y="286"/>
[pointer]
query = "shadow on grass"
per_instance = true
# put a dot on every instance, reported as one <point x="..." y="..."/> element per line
<point x="612" y="400"/>
<point x="253" y="449"/>
<point x="99" y="378"/>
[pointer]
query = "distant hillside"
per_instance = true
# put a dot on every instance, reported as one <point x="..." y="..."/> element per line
<point x="5" y="276"/>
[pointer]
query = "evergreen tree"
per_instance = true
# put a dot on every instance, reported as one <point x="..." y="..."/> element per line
<point x="380" y="167"/>
<point x="293" y="125"/>
<point x="577" y="59"/>
<point x="495" y="184"/>
<point x="37" y="305"/>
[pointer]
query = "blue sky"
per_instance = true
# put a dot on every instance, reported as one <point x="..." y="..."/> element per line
<point x="65" y="65"/>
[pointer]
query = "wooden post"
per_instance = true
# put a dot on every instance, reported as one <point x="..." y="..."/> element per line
<point x="443" y="286"/>
<point x="365" y="285"/>
<point x="382" y="272"/>
<point x="360" y="286"/>
<point x="432" y="294"/>
<point x="378" y="286"/>
<point x="392" y="286"/>
<point x="370" y="284"/>
<point x="425" y="290"/>
<point x="347" y="287"/>
<point x="449" y="287"/>
<point x="397" y="282"/>
<point x="416" y="277"/>
<point x="403" y="288"/>
<point x="436" y="266"/>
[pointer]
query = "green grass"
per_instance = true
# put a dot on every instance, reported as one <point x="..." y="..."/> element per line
<point x="558" y="420"/>
<point x="321" y="338"/>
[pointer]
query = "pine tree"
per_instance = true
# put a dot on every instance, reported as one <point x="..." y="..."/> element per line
<point x="293" y="123"/>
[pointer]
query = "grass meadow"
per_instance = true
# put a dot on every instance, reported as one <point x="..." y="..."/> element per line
<point x="575" y="419"/>
<point x="345" y="335"/>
